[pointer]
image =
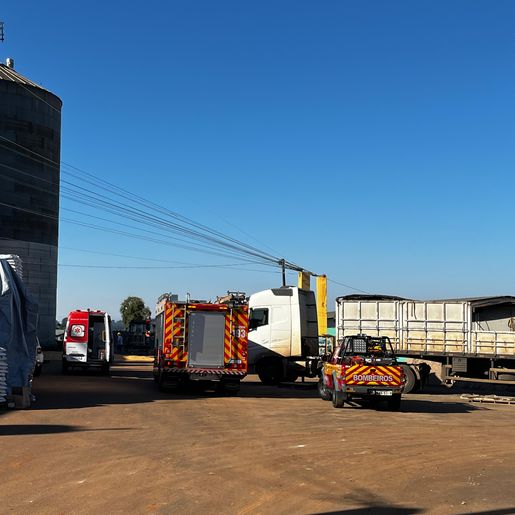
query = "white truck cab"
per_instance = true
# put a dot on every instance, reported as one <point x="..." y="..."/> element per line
<point x="283" y="332"/>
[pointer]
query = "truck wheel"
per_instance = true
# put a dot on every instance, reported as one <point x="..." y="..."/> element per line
<point x="339" y="399"/>
<point x="270" y="372"/>
<point x="291" y="377"/>
<point x="106" y="369"/>
<point x="324" y="392"/>
<point x="412" y="384"/>
<point x="229" y="388"/>
<point x="394" y="404"/>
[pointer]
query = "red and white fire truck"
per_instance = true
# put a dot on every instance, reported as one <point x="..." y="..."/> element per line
<point x="201" y="342"/>
<point x="87" y="340"/>
<point x="362" y="367"/>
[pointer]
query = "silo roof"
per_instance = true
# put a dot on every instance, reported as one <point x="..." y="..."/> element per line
<point x="7" y="73"/>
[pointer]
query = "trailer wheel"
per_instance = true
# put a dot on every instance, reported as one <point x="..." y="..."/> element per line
<point x="338" y="398"/>
<point x="412" y="384"/>
<point x="394" y="404"/>
<point x="270" y="371"/>
<point x="324" y="392"/>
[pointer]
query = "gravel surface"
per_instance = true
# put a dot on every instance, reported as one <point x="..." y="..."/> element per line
<point x="96" y="444"/>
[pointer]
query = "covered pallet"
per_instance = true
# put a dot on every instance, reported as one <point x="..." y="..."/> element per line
<point x="18" y="336"/>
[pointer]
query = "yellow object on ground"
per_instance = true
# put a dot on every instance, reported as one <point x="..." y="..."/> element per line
<point x="123" y="357"/>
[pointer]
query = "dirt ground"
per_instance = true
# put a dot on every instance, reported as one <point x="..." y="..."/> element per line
<point x="94" y="444"/>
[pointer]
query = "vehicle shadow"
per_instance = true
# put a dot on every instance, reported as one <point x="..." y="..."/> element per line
<point x="46" y="429"/>
<point x="375" y="510"/>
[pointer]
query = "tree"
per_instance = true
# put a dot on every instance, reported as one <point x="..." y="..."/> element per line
<point x="133" y="309"/>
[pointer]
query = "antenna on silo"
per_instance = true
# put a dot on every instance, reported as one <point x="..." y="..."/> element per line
<point x="1" y="31"/>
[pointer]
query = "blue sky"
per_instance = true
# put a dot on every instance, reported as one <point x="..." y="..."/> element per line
<point x="372" y="141"/>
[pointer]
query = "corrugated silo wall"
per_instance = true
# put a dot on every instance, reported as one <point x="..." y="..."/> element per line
<point x="30" y="182"/>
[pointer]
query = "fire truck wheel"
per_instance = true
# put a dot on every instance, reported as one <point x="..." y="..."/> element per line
<point x="339" y="399"/>
<point x="324" y="392"/>
<point x="270" y="371"/>
<point x="394" y="403"/>
<point x="231" y="388"/>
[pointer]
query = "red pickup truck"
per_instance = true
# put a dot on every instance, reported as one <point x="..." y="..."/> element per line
<point x="362" y="367"/>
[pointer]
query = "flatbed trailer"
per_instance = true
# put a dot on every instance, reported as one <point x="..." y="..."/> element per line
<point x="471" y="339"/>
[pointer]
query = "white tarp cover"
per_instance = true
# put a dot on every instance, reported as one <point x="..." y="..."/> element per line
<point x="18" y="327"/>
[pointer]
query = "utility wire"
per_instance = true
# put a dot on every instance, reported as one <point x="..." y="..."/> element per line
<point x="130" y="196"/>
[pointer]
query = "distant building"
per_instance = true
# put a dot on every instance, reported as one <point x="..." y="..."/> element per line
<point x="30" y="147"/>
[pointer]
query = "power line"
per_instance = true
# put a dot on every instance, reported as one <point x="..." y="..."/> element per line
<point x="99" y="200"/>
<point x="349" y="287"/>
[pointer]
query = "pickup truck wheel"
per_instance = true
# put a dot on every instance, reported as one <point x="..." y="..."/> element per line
<point x="270" y="372"/>
<point x="324" y="392"/>
<point x="394" y="404"/>
<point x="339" y="399"/>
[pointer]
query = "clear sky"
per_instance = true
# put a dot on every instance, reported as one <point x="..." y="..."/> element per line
<point x="369" y="140"/>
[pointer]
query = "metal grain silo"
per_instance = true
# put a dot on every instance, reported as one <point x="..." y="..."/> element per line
<point x="30" y="145"/>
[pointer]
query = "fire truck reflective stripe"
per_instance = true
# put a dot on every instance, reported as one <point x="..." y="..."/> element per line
<point x="207" y="371"/>
<point x="227" y="340"/>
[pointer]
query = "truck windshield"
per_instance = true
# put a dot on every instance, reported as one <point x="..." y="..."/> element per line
<point x="258" y="317"/>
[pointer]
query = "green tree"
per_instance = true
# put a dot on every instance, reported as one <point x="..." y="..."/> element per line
<point x="133" y="309"/>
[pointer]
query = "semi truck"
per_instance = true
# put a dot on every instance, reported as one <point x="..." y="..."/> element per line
<point x="283" y="334"/>
<point x="87" y="341"/>
<point x="463" y="339"/>
<point x="201" y="342"/>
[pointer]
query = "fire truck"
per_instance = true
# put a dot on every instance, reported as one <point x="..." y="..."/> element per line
<point x="362" y="367"/>
<point x="201" y="342"/>
<point x="87" y="340"/>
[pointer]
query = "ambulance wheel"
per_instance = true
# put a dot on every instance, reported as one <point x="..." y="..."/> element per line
<point x="106" y="369"/>
<point x="394" y="404"/>
<point x="338" y="398"/>
<point x="65" y="367"/>
<point x="324" y="392"/>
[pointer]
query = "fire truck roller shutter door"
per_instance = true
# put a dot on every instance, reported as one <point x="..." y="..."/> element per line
<point x="206" y="333"/>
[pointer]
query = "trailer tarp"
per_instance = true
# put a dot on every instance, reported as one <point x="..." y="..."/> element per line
<point x="18" y="327"/>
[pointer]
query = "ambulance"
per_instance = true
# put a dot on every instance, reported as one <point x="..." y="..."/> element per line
<point x="88" y="341"/>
